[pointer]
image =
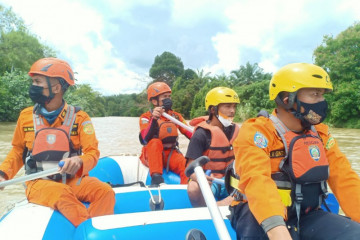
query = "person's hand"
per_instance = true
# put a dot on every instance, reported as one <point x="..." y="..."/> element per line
<point x="279" y="233"/>
<point x="157" y="112"/>
<point x="71" y="165"/>
<point x="194" y="178"/>
<point x="1" y="180"/>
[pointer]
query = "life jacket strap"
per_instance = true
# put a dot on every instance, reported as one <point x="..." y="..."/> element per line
<point x="168" y="159"/>
<point x="298" y="199"/>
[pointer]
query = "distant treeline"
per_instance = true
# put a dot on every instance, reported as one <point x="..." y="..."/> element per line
<point x="339" y="55"/>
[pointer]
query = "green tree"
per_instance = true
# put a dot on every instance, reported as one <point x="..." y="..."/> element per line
<point x="166" y="68"/>
<point x="14" y="95"/>
<point x="253" y="98"/>
<point x="132" y="105"/>
<point x="247" y="74"/>
<point x="18" y="48"/>
<point x="82" y="95"/>
<point x="9" y="21"/>
<point x="340" y="56"/>
<point x="185" y="88"/>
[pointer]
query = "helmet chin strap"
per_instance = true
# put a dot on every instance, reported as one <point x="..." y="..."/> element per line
<point x="157" y="102"/>
<point x="297" y="114"/>
<point x="291" y="100"/>
<point x="51" y="94"/>
<point x="216" y="112"/>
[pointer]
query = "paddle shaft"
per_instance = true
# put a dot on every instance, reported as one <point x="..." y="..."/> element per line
<point x="33" y="176"/>
<point x="174" y="120"/>
<point x="30" y="177"/>
<point x="211" y="204"/>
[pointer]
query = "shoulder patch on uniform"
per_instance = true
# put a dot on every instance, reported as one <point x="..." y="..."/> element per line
<point x="330" y="143"/>
<point x="88" y="128"/>
<point x="260" y="140"/>
<point x="144" y="120"/>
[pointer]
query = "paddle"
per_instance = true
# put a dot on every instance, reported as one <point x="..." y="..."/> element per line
<point x="196" y="166"/>
<point x="174" y="120"/>
<point x="33" y="176"/>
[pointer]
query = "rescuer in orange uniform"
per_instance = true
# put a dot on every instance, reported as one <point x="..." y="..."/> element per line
<point x="159" y="135"/>
<point x="213" y="137"/>
<point x="52" y="131"/>
<point x="285" y="161"/>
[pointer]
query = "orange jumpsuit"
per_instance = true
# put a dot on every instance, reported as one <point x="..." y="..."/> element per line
<point x="154" y="153"/>
<point x="63" y="197"/>
<point x="257" y="141"/>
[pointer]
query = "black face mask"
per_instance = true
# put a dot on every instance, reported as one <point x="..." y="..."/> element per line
<point x="167" y="104"/>
<point x="314" y="113"/>
<point x="36" y="95"/>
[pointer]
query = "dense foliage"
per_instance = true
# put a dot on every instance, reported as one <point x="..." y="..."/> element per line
<point x="339" y="55"/>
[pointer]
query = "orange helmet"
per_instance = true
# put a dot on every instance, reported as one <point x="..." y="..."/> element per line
<point x="53" y="67"/>
<point x="157" y="88"/>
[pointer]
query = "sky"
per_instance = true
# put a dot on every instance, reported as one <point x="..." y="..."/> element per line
<point x="111" y="44"/>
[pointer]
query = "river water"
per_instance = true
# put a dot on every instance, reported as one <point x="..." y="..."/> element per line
<point x="119" y="136"/>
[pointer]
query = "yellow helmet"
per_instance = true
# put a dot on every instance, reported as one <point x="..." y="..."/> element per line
<point x="220" y="95"/>
<point x="292" y="77"/>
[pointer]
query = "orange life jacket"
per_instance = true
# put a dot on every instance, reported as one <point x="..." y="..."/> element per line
<point x="51" y="144"/>
<point x="220" y="152"/>
<point x="304" y="169"/>
<point x="168" y="132"/>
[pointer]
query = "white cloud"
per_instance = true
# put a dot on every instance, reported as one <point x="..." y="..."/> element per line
<point x="75" y="31"/>
<point x="270" y="33"/>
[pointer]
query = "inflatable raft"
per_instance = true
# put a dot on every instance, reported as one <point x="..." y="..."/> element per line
<point x="141" y="212"/>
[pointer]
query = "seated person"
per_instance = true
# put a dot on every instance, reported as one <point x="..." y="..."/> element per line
<point x="159" y="136"/>
<point x="285" y="161"/>
<point x="54" y="131"/>
<point x="213" y="137"/>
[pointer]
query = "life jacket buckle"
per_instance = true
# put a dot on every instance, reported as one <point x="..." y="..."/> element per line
<point x="299" y="197"/>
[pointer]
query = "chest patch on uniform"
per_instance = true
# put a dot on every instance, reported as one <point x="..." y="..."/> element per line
<point x="51" y="138"/>
<point x="88" y="128"/>
<point x="74" y="130"/>
<point x="330" y="143"/>
<point x="277" y="153"/>
<point x="63" y="113"/>
<point x="28" y="129"/>
<point x="169" y="129"/>
<point x="260" y="140"/>
<point x="314" y="152"/>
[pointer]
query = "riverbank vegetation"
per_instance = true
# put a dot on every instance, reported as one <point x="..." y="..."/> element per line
<point x="339" y="55"/>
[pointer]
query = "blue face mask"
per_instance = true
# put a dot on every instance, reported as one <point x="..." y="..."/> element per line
<point x="37" y="96"/>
